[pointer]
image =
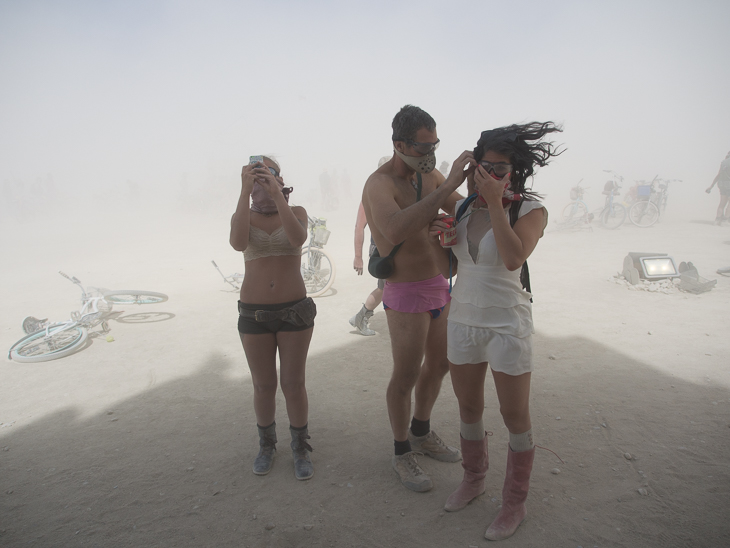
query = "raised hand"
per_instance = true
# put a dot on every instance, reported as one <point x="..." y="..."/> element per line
<point x="489" y="188"/>
<point x="460" y="168"/>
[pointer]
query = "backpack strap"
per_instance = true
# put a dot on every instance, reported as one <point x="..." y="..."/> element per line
<point x="514" y="213"/>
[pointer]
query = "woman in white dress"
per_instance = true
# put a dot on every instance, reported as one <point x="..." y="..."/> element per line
<point x="490" y="321"/>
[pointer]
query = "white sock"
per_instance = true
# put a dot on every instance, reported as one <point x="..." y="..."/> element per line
<point x="473" y="432"/>
<point x="521" y="442"/>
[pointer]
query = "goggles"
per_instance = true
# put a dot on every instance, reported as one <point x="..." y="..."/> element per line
<point x="500" y="169"/>
<point x="423" y="148"/>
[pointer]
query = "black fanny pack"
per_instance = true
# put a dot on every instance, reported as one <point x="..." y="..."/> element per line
<point x="300" y="314"/>
<point x="383" y="267"/>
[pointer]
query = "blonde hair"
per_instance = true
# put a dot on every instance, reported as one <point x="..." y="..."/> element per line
<point x="270" y="158"/>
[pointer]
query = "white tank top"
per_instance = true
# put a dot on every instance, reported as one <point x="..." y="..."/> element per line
<point x="485" y="293"/>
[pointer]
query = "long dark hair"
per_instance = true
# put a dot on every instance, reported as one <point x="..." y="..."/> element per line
<point x="524" y="146"/>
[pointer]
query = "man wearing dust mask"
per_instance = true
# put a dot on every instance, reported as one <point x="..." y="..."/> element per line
<point x="400" y="200"/>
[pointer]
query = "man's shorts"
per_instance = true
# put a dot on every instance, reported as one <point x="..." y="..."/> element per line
<point x="505" y="353"/>
<point x="430" y="295"/>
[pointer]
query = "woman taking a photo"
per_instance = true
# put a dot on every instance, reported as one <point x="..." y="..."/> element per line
<point x="490" y="321"/>
<point x="274" y="312"/>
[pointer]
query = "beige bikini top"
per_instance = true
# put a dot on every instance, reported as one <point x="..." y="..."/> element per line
<point x="262" y="244"/>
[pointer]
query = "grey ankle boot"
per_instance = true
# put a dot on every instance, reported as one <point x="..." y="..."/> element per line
<point x="267" y="447"/>
<point x="360" y="321"/>
<point x="303" y="468"/>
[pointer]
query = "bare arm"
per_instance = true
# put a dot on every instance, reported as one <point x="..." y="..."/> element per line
<point x="449" y="205"/>
<point x="241" y="220"/>
<point x="515" y="244"/>
<point x="714" y="181"/>
<point x="360" y="223"/>
<point x="441" y="254"/>
<point x="398" y="224"/>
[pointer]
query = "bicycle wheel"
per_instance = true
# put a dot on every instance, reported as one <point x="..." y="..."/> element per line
<point x="131" y="296"/>
<point x="318" y="271"/>
<point x="613" y="216"/>
<point x="644" y="214"/>
<point x="39" y="347"/>
<point x="573" y="212"/>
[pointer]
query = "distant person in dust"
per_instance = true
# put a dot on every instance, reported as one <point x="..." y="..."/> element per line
<point x="275" y="314"/>
<point x="722" y="179"/>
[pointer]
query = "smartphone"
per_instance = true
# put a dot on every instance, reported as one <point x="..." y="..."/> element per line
<point x="255" y="159"/>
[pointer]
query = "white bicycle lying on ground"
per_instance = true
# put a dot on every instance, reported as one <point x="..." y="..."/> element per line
<point x="46" y="340"/>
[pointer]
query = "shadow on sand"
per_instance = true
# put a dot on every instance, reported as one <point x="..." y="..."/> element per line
<point x="171" y="466"/>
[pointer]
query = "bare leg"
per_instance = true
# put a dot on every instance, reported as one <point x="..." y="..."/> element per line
<point x="468" y="382"/>
<point x="721" y="208"/>
<point x="514" y="400"/>
<point x="293" y="348"/>
<point x="408" y="334"/>
<point x="374" y="299"/>
<point x="261" y="356"/>
<point x="514" y="404"/>
<point x="434" y="369"/>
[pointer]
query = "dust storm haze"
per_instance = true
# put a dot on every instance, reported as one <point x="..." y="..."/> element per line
<point x="162" y="102"/>
<point x="123" y="129"/>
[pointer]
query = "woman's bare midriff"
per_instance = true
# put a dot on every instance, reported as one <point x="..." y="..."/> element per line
<point x="272" y="280"/>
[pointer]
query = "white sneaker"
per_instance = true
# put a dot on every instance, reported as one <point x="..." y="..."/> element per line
<point x="410" y="473"/>
<point x="433" y="446"/>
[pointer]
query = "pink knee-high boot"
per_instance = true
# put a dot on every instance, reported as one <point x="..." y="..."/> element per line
<point x="514" y="494"/>
<point x="475" y="461"/>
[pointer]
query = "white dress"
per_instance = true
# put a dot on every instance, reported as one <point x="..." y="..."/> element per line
<point x="490" y="319"/>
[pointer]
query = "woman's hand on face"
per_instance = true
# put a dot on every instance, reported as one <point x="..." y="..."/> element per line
<point x="462" y="166"/>
<point x="488" y="187"/>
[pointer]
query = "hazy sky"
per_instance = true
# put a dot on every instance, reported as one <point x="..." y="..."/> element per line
<point x="98" y="93"/>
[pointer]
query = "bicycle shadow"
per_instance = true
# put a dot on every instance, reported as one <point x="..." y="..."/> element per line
<point x="145" y="317"/>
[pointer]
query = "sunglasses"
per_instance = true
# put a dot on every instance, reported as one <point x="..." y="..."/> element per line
<point x="271" y="169"/>
<point x="500" y="169"/>
<point x="423" y="148"/>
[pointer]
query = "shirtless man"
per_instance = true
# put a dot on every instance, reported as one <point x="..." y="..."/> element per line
<point x="416" y="296"/>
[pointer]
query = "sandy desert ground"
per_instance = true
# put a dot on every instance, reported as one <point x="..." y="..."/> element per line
<point x="148" y="440"/>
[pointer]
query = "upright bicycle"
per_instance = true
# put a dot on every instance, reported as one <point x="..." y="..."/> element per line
<point x="46" y="340"/>
<point x="318" y="269"/>
<point x="650" y="204"/>
<point x="613" y="213"/>
<point x="575" y="214"/>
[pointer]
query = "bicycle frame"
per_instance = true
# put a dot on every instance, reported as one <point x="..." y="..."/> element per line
<point x="317" y="267"/>
<point x="234" y="279"/>
<point x="89" y="316"/>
